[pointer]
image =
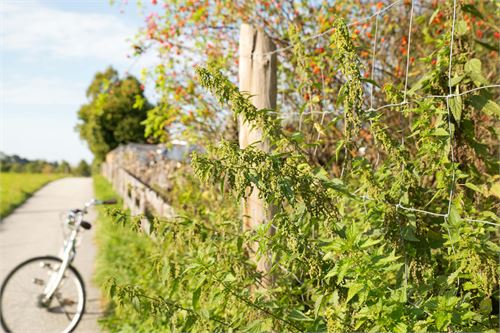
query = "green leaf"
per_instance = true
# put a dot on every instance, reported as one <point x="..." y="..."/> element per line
<point x="495" y="190"/>
<point x="486" y="45"/>
<point x="196" y="299"/>
<point x="409" y="234"/>
<point x="434" y="14"/>
<point x="340" y="145"/>
<point x="204" y="313"/>
<point x="473" y="70"/>
<point x="440" y="132"/>
<point x="400" y="328"/>
<point x="254" y="326"/>
<point x="443" y="319"/>
<point x="298" y="315"/>
<point x="354" y="289"/>
<point x="474" y="187"/>
<point x="229" y="278"/>
<point x="469" y="286"/>
<point x="461" y="28"/>
<point x="370" y="242"/>
<point x="322" y="174"/>
<point x="344" y="268"/>
<point x="418" y="85"/>
<point x="319" y="129"/>
<point x="136" y="302"/>
<point x="387" y="259"/>
<point x="297" y="137"/>
<point x="370" y="81"/>
<point x="453" y="276"/>
<point x="473" y="66"/>
<point x="485" y="104"/>
<point x="456" y="80"/>
<point x="112" y="290"/>
<point x="454" y="217"/>
<point x="189" y="322"/>
<point x="471" y="9"/>
<point x="318" y="304"/>
<point x="485" y="306"/>
<point x="491" y="108"/>
<point x="456" y="106"/>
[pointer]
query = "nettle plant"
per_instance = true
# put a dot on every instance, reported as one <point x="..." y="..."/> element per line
<point x="350" y="253"/>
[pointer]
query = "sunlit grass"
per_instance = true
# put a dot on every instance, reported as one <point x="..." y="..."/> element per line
<point x="15" y="188"/>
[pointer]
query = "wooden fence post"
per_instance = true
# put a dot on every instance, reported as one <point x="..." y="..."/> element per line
<point x="257" y="76"/>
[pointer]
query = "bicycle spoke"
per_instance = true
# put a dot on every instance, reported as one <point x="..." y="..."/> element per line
<point x="20" y="298"/>
<point x="62" y="307"/>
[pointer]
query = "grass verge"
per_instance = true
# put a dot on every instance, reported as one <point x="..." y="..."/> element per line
<point x="16" y="188"/>
<point x="147" y="282"/>
<point x="119" y="250"/>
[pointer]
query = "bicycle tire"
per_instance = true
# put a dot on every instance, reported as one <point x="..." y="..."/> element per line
<point x="7" y="323"/>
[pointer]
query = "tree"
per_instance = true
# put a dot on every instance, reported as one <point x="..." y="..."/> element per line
<point x="112" y="116"/>
<point x="64" y="167"/>
<point x="82" y="169"/>
<point x="213" y="28"/>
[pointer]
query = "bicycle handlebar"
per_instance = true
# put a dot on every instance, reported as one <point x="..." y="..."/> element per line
<point x="109" y="202"/>
<point x="95" y="202"/>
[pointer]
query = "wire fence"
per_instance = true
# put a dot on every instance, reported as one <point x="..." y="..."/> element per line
<point x="404" y="102"/>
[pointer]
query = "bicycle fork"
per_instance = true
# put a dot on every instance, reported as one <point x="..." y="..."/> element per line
<point x="56" y="277"/>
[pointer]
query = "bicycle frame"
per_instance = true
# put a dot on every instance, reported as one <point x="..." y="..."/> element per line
<point x="67" y="256"/>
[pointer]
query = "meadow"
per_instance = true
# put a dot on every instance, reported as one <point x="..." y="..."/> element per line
<point x="16" y="188"/>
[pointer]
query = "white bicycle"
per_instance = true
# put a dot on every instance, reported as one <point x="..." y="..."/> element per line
<point x="47" y="294"/>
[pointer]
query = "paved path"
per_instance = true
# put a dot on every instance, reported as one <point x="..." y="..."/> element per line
<point x="34" y="229"/>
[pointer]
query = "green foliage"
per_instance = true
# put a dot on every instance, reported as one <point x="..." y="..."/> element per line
<point x="17" y="164"/>
<point x="112" y="116"/>
<point x="348" y="253"/>
<point x="151" y="287"/>
<point x="82" y="169"/>
<point x="16" y="188"/>
<point x="375" y="266"/>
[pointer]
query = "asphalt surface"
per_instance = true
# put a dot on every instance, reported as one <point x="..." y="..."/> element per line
<point x="34" y="229"/>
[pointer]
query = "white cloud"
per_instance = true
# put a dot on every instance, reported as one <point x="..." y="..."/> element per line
<point x="37" y="30"/>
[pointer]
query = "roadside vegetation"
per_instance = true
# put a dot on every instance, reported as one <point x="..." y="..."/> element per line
<point x="18" y="164"/>
<point x="385" y="207"/>
<point x="15" y="188"/>
<point x="128" y="259"/>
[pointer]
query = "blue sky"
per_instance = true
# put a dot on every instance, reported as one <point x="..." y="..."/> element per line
<point x="50" y="51"/>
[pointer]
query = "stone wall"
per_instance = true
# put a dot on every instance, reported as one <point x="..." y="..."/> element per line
<point x="135" y="170"/>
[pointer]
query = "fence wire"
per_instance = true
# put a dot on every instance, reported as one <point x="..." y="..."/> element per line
<point x="404" y="102"/>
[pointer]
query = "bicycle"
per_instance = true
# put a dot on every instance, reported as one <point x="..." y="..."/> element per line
<point x="47" y="290"/>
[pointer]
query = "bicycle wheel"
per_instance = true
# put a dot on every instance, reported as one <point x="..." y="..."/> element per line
<point x="20" y="309"/>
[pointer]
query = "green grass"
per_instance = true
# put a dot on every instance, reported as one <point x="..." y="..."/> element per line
<point x="127" y="257"/>
<point x="15" y="188"/>
<point x="117" y="248"/>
